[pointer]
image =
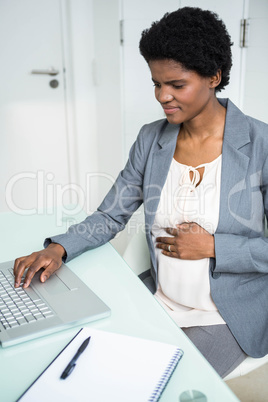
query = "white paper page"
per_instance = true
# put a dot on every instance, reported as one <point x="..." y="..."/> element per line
<point x="114" y="368"/>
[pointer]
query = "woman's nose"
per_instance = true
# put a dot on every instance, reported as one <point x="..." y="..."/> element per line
<point x="164" y="95"/>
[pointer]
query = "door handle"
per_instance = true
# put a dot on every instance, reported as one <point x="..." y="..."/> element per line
<point x="49" y="71"/>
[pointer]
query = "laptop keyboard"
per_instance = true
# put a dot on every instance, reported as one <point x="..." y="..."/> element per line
<point x="18" y="306"/>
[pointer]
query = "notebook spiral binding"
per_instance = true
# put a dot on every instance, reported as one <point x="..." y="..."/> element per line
<point x="165" y="376"/>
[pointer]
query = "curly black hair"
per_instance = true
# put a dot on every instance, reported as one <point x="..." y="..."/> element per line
<point x="195" y="38"/>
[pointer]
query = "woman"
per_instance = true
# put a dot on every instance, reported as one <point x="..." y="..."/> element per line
<point x="202" y="174"/>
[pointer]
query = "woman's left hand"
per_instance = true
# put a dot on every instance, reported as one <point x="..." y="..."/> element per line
<point x="189" y="241"/>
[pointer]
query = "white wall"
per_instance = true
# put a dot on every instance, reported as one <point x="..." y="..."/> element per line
<point x="256" y="83"/>
<point x="107" y="79"/>
<point x="79" y="53"/>
<point x="139" y="104"/>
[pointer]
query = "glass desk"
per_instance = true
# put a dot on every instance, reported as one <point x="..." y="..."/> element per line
<point x="134" y="312"/>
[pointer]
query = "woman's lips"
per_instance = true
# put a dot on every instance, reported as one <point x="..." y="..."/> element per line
<point x="170" y="110"/>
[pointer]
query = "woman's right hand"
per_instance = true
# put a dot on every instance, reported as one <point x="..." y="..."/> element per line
<point x="50" y="259"/>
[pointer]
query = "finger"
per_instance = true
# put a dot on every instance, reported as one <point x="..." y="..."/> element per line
<point x="165" y="240"/>
<point x="51" y="268"/>
<point x="33" y="268"/>
<point x="165" y="246"/>
<point x="184" y="225"/>
<point x="17" y="279"/>
<point x="20" y="266"/>
<point x="172" y="254"/>
<point x="172" y="231"/>
<point x="189" y="226"/>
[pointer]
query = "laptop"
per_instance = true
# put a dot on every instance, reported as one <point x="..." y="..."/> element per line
<point x="62" y="302"/>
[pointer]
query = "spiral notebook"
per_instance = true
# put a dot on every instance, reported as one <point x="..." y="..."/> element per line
<point x="113" y="367"/>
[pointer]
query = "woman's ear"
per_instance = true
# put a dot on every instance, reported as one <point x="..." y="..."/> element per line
<point x="215" y="79"/>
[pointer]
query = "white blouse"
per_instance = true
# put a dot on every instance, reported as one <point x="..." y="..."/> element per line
<point x="184" y="289"/>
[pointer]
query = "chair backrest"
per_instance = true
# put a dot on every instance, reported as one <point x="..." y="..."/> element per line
<point x="137" y="254"/>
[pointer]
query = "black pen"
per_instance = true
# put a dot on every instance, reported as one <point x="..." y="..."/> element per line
<point x="67" y="371"/>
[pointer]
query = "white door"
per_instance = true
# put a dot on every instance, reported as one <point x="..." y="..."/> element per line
<point x="33" y="141"/>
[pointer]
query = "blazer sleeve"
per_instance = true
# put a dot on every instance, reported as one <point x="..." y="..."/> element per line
<point x="240" y="254"/>
<point x="120" y="203"/>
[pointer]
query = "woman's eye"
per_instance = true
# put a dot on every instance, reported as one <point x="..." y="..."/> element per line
<point x="178" y="86"/>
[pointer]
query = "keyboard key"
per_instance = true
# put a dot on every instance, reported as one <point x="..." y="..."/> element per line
<point x="22" y="321"/>
<point x="40" y="304"/>
<point x="14" y="325"/>
<point x="7" y="314"/>
<point x="30" y="318"/>
<point x="10" y="319"/>
<point x="19" y="306"/>
<point x="43" y="308"/>
<point x="48" y="314"/>
<point x="38" y="316"/>
<point x="24" y="311"/>
<point x="12" y="322"/>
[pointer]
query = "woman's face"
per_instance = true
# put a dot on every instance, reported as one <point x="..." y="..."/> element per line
<point x="183" y="94"/>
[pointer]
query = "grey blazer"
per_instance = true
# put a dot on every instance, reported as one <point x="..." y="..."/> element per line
<point x="239" y="273"/>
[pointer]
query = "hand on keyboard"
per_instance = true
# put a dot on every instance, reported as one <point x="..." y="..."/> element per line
<point x="50" y="259"/>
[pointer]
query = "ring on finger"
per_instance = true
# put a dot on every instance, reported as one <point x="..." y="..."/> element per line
<point x="169" y="249"/>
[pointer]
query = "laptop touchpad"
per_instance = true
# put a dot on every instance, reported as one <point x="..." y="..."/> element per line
<point x="54" y="285"/>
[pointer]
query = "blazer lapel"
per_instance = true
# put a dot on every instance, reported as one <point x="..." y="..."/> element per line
<point x="160" y="165"/>
<point x="234" y="166"/>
